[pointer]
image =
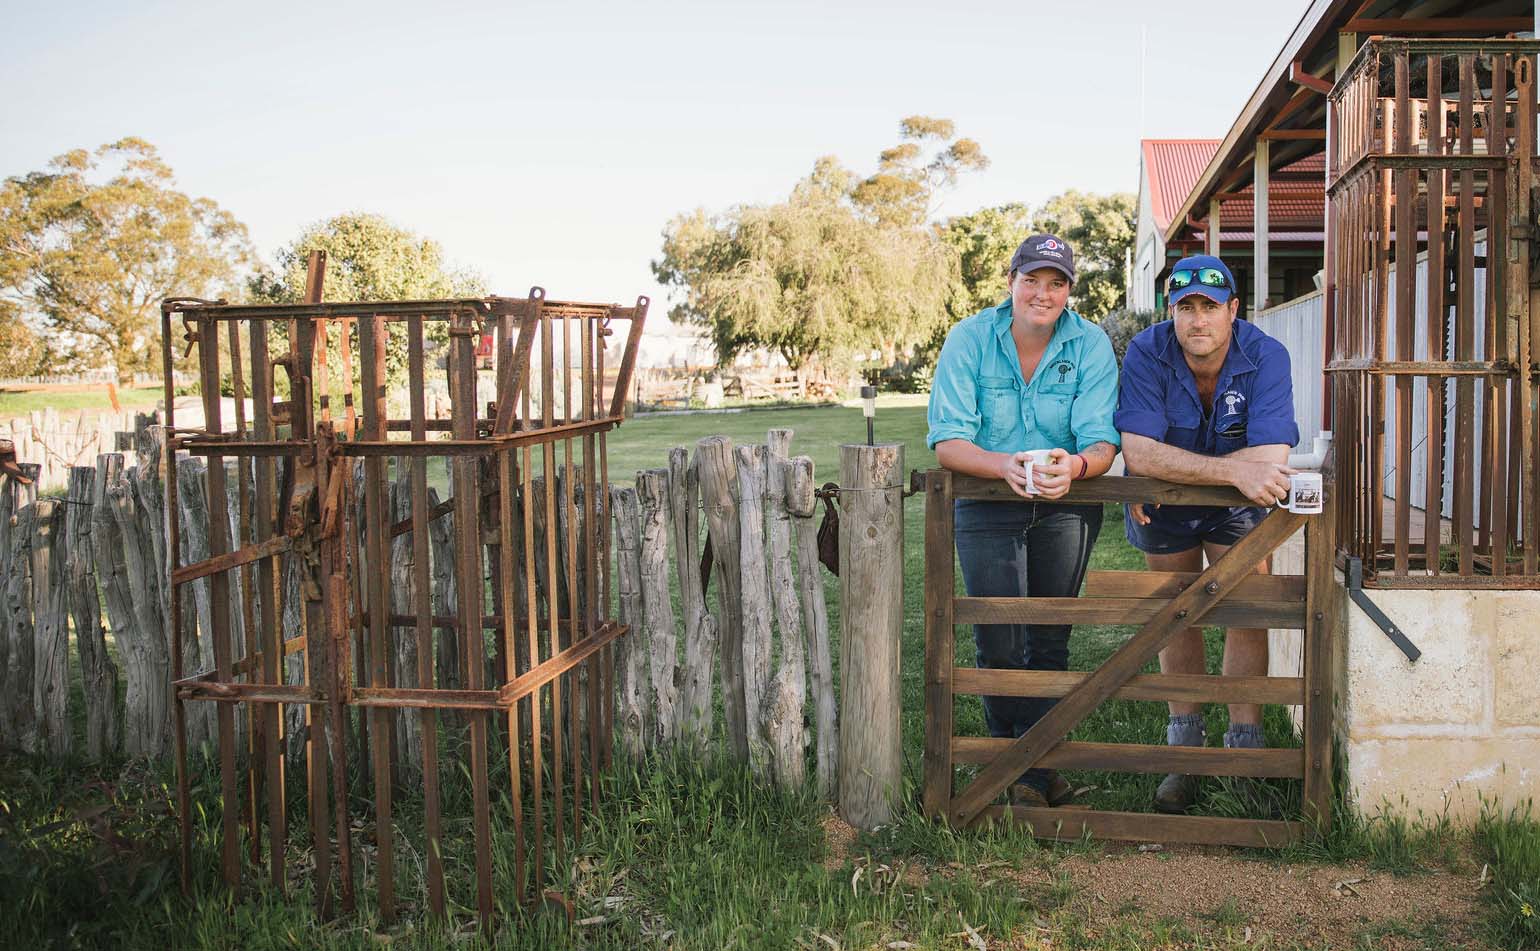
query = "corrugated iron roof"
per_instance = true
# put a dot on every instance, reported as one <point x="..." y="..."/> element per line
<point x="1172" y="167"/>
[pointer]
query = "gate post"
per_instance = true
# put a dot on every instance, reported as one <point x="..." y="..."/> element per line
<point x="872" y="619"/>
<point x="940" y="646"/>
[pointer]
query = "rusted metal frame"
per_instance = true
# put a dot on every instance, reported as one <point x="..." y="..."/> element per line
<point x="372" y="342"/>
<point x="603" y="533"/>
<point x="222" y="445"/>
<point x="1494" y="522"/>
<point x="1513" y="582"/>
<point x="242" y="557"/>
<point x="323" y="332"/>
<point x="628" y="359"/>
<point x="243" y="536"/>
<point x="1436" y="368"/>
<point x="335" y="598"/>
<point x="574" y="585"/>
<point x="589" y="541"/>
<point x="422" y="605"/>
<point x="167" y="464"/>
<point x="462" y="386"/>
<point x="1522" y="310"/>
<point x="345" y="327"/>
<point x="1380" y="315"/>
<point x="220" y="601"/>
<point x="561" y="663"/>
<point x="437" y="310"/>
<point x="533" y="628"/>
<point x="1406" y="276"/>
<point x="940" y="646"/>
<point x="264" y="524"/>
<point x="515" y="376"/>
<point x="1438" y="312"/>
<point x="1185" y="610"/>
<point x="547" y="399"/>
<point x="425" y="698"/>
<point x="507" y="479"/>
<point x="1464" y="330"/>
<point x="196" y="688"/>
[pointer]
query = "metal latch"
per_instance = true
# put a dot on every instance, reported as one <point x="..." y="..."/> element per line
<point x="1355" y="587"/>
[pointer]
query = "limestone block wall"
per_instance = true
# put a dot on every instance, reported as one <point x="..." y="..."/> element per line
<point x="1459" y="724"/>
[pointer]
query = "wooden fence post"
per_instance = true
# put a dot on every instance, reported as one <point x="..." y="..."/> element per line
<point x="631" y="704"/>
<point x="127" y="566"/>
<point x="788" y="688"/>
<point x="16" y="581"/>
<point x="755" y="611"/>
<point x="657" y="606"/>
<point x="719" y="497"/>
<point x="7" y="512"/>
<point x="802" y="504"/>
<point x="51" y="659"/>
<point x="98" y="674"/>
<point x="872" y="619"/>
<point x="198" y="608"/>
<point x="700" y="628"/>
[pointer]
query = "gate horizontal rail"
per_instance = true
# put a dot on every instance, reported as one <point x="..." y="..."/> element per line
<point x="1227" y="593"/>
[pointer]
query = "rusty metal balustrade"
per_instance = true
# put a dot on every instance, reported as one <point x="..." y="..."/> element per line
<point x="529" y="509"/>
<point x="1431" y="169"/>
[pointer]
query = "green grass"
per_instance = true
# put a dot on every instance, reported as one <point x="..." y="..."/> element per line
<point x="19" y="402"/>
<point x="1510" y="843"/>
<point x="693" y="847"/>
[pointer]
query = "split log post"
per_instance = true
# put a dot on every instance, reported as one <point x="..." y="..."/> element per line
<point x="657" y="605"/>
<point x="872" y="618"/>
<point x="755" y="614"/>
<point x="802" y="504"/>
<point x="197" y="605"/>
<point x="631" y="703"/>
<point x="788" y="688"/>
<point x="51" y="657"/>
<point x="700" y="628"/>
<point x="137" y="625"/>
<point x="719" y="497"/>
<point x="403" y="588"/>
<point x="98" y="674"/>
<point x="7" y="512"/>
<point x="17" y="698"/>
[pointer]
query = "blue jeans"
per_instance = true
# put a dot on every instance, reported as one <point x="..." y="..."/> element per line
<point x="1015" y="549"/>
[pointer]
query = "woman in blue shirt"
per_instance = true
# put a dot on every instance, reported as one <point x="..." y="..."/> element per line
<point x="1030" y="374"/>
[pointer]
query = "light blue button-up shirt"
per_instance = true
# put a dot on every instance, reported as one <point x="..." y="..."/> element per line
<point x="978" y="393"/>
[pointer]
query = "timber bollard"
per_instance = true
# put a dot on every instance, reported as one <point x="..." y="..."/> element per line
<point x="872" y="594"/>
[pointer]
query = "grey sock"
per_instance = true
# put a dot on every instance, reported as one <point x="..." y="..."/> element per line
<point x="1244" y="736"/>
<point x="1186" y="731"/>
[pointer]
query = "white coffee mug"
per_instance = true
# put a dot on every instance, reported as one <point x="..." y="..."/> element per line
<point x="1304" y="494"/>
<point x="1035" y="458"/>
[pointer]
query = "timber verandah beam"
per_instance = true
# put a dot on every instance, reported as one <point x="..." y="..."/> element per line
<point x="1186" y="609"/>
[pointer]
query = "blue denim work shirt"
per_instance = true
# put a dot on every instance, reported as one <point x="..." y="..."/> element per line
<point x="1253" y="400"/>
<point x="978" y="393"/>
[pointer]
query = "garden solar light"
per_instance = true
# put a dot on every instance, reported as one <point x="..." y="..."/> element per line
<point x="869" y="409"/>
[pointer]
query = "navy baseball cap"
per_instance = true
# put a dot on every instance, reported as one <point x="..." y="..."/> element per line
<point x="1044" y="250"/>
<point x="1200" y="274"/>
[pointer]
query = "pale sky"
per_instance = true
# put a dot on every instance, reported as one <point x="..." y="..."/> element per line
<point x="550" y="143"/>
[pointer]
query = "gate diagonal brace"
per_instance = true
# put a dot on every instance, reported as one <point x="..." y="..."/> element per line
<point x="1355" y="587"/>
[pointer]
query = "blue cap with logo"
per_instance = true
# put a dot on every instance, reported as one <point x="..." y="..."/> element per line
<point x="1044" y="250"/>
<point x="1200" y="274"/>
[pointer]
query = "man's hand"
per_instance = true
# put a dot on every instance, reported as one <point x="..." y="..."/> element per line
<point x="1141" y="517"/>
<point x="1264" y="483"/>
<point x="1053" y="479"/>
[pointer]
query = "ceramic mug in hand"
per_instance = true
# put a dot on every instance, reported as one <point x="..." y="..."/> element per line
<point x="1304" y="494"/>
<point x="1035" y="458"/>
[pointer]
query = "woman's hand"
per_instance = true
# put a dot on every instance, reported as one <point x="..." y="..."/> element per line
<point x="1140" y="516"/>
<point x="1015" y="476"/>
<point x="1053" y="480"/>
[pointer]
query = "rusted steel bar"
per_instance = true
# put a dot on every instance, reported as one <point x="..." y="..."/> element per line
<point x="268" y="548"/>
<point x="559" y="664"/>
<point x="628" y="361"/>
<point x="1465" y="329"/>
<point x="1406" y="276"/>
<point x="507" y="634"/>
<point x="1523" y="308"/>
<point x="589" y="531"/>
<point x="547" y="401"/>
<point x="533" y="628"/>
<point x="515" y="378"/>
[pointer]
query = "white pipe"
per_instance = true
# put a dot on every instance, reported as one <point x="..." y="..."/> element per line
<point x="1316" y="457"/>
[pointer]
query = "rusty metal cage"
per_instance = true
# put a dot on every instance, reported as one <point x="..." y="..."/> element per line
<point x="1432" y="314"/>
<point x="313" y="604"/>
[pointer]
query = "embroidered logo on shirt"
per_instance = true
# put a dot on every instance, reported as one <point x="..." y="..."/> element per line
<point x="1232" y="400"/>
<point x="1064" y="368"/>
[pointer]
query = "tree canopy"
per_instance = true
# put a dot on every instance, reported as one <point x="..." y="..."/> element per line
<point x="844" y="265"/>
<point x="1101" y="230"/>
<point x="88" y="248"/>
<point x="367" y="258"/>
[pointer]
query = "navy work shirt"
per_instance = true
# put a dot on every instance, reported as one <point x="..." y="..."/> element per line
<point x="1253" y="399"/>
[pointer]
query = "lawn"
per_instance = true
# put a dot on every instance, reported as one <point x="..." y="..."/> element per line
<point x="689" y="853"/>
<point x="92" y="398"/>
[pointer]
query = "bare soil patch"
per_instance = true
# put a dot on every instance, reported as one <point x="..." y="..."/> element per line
<point x="1318" y="905"/>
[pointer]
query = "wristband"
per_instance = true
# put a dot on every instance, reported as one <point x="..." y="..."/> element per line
<point x="1085" y="466"/>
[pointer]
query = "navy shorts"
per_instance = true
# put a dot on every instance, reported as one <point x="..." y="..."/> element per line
<point x="1178" y="528"/>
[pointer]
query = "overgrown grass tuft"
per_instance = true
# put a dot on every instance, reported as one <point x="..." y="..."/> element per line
<point x="1510" y="844"/>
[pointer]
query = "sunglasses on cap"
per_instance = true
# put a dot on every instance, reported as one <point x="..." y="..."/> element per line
<point x="1207" y="276"/>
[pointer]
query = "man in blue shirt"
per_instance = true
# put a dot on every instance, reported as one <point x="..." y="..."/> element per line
<point x="1030" y="374"/>
<point x="1205" y="399"/>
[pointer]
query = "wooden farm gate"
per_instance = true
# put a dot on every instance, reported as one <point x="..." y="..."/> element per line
<point x="1228" y="592"/>
<point x="330" y="472"/>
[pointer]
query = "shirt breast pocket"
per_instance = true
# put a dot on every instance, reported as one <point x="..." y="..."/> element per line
<point x="999" y="406"/>
<point x="1054" y="405"/>
<point x="1231" y="437"/>
<point x="1185" y="429"/>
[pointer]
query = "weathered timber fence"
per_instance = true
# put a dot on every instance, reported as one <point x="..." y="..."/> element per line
<point x="758" y="511"/>
<point x="58" y="443"/>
